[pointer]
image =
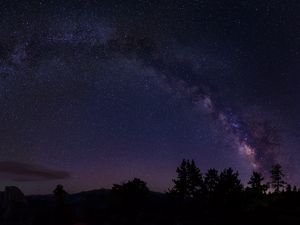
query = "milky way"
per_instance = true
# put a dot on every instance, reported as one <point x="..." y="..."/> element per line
<point x="97" y="93"/>
<point x="256" y="140"/>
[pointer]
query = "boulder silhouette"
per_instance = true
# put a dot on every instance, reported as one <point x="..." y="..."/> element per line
<point x="14" y="207"/>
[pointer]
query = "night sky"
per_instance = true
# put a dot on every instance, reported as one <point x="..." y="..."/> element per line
<point x="98" y="92"/>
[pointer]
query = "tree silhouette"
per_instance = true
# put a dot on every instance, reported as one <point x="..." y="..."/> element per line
<point x="135" y="187"/>
<point x="210" y="187"/>
<point x="256" y="185"/>
<point x="63" y="212"/>
<point x="189" y="180"/>
<point x="289" y="188"/>
<point x="211" y="180"/>
<point x="131" y="192"/>
<point x="277" y="175"/>
<point x="230" y="186"/>
<point x="230" y="181"/>
<point x="181" y="183"/>
<point x="195" y="181"/>
<point x="60" y="194"/>
<point x="294" y="188"/>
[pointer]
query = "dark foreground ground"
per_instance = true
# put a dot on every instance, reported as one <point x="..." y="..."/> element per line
<point x="106" y="207"/>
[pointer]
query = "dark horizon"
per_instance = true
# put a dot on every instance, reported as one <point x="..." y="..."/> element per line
<point x="40" y="174"/>
<point x="210" y="198"/>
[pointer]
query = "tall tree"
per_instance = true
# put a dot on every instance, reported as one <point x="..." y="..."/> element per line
<point x="230" y="186"/>
<point x="195" y="180"/>
<point x="277" y="176"/>
<point x="189" y="180"/>
<point x="256" y="184"/>
<point x="181" y="182"/>
<point x="211" y="180"/>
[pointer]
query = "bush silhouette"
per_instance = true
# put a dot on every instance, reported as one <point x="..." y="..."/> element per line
<point x="131" y="193"/>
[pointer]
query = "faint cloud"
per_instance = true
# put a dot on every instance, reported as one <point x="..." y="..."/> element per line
<point x="17" y="171"/>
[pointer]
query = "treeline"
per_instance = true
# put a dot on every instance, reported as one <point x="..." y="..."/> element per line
<point x="191" y="183"/>
<point x="216" y="197"/>
<point x="211" y="198"/>
<point x="213" y="188"/>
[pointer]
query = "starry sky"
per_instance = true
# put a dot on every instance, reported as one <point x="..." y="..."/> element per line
<point x="98" y="92"/>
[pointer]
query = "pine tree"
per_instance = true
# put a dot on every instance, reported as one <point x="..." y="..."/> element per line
<point x="195" y="181"/>
<point x="277" y="178"/>
<point x="181" y="183"/>
<point x="256" y="184"/>
<point x="230" y="186"/>
<point x="189" y="181"/>
<point x="211" y="180"/>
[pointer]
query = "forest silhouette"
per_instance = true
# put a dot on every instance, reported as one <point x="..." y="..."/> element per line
<point x="213" y="197"/>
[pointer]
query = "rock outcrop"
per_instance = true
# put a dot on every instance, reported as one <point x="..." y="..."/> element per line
<point x="13" y="207"/>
